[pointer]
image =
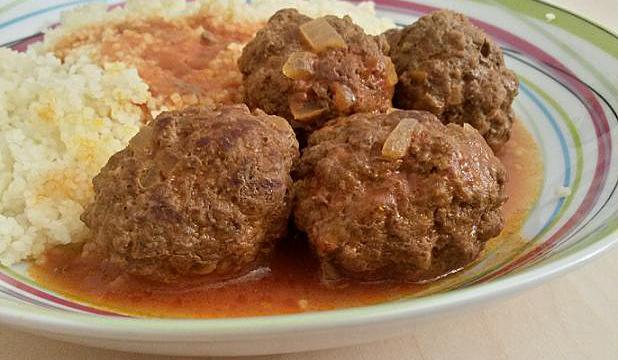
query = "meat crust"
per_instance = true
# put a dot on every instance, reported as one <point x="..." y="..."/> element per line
<point x="415" y="218"/>
<point x="342" y="81"/>
<point x="450" y="67"/>
<point x="195" y="193"/>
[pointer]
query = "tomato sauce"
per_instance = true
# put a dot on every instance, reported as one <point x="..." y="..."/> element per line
<point x="193" y="61"/>
<point x="189" y="61"/>
<point x="291" y="283"/>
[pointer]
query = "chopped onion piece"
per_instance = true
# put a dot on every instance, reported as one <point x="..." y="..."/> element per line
<point x="391" y="73"/>
<point x="209" y="37"/>
<point x="469" y="128"/>
<point x="398" y="141"/>
<point x="343" y="96"/>
<point x="299" y="65"/>
<point x="417" y="75"/>
<point x="320" y="35"/>
<point x="305" y="110"/>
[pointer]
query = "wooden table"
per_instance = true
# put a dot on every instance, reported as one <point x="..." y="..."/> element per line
<point x="572" y="317"/>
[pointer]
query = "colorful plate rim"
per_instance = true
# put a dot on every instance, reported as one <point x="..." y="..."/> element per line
<point x="29" y="316"/>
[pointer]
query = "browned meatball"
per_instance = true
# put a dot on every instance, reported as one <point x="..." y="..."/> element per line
<point x="335" y="70"/>
<point x="450" y="67"/>
<point x="398" y="196"/>
<point x="195" y="193"/>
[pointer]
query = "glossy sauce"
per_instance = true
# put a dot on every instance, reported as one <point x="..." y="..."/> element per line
<point x="291" y="284"/>
<point x="193" y="61"/>
<point x="189" y="61"/>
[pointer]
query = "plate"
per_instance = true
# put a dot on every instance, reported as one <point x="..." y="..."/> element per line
<point x="568" y="69"/>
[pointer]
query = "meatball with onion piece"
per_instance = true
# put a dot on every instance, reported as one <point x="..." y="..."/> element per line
<point x="450" y="67"/>
<point x="311" y="70"/>
<point x="195" y="193"/>
<point x="397" y="196"/>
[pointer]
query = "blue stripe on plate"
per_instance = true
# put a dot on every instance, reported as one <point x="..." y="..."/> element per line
<point x="563" y="145"/>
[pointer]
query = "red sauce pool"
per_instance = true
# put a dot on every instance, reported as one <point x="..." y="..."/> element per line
<point x="184" y="66"/>
<point x="292" y="284"/>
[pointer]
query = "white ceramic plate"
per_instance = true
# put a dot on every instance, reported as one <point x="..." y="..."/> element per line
<point x="568" y="68"/>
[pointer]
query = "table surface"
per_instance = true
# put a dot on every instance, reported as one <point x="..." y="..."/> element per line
<point x="572" y="317"/>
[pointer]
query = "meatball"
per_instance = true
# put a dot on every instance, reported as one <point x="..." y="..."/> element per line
<point x="450" y="67"/>
<point x="195" y="193"/>
<point x="309" y="71"/>
<point x="397" y="196"/>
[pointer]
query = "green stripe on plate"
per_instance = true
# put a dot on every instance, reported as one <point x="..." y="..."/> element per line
<point x="584" y="62"/>
<point x="579" y="155"/>
<point x="584" y="28"/>
<point x="609" y="231"/>
<point x="10" y="5"/>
